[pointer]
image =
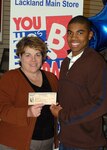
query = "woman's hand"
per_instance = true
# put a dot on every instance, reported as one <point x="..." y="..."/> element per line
<point x="35" y="110"/>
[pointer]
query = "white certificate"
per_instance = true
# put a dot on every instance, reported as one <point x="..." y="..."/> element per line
<point x="46" y="98"/>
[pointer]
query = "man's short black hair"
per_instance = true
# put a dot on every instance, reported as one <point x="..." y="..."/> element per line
<point x="82" y="20"/>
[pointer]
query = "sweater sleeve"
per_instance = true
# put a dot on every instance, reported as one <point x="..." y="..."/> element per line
<point x="96" y="104"/>
<point x="11" y="111"/>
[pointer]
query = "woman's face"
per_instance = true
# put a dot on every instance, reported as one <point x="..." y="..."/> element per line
<point x="31" y="60"/>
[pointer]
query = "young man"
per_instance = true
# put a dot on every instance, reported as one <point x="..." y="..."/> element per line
<point x="82" y="91"/>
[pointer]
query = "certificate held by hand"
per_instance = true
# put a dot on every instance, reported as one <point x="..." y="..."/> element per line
<point x="46" y="98"/>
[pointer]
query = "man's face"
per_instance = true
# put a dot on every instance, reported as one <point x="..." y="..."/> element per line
<point x="78" y="37"/>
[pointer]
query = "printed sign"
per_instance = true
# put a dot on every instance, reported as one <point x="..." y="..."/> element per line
<point x="46" y="19"/>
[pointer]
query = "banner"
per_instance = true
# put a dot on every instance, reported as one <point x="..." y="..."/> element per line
<point x="46" y="19"/>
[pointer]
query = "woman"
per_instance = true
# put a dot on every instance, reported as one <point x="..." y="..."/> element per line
<point x="24" y="127"/>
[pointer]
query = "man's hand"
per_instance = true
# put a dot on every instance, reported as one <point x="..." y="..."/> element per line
<point x="55" y="109"/>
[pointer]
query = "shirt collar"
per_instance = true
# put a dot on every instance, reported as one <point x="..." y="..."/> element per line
<point x="74" y="57"/>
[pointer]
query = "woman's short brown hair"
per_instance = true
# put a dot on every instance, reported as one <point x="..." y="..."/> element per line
<point x="32" y="42"/>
